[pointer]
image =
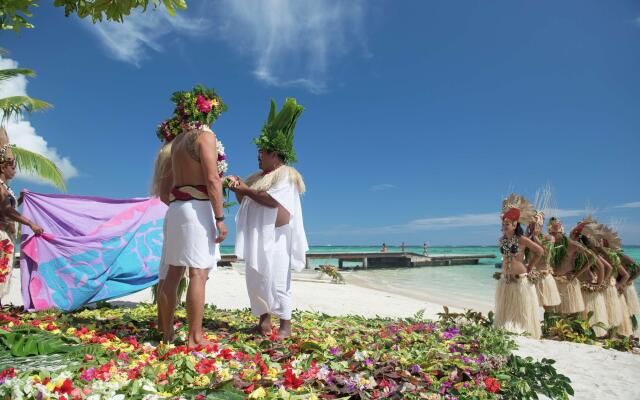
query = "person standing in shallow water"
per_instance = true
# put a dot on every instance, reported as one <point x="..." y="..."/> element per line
<point x="270" y="235"/>
<point x="516" y="298"/>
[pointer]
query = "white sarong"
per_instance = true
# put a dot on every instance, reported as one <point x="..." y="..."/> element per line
<point x="189" y="236"/>
<point x="270" y="292"/>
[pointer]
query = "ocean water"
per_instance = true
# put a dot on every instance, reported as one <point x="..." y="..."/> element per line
<point x="462" y="286"/>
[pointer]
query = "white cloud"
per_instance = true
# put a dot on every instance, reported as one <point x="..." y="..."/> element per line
<point x="442" y="223"/>
<point x="293" y="42"/>
<point x="143" y="31"/>
<point x="634" y="204"/>
<point x="382" y="186"/>
<point x="23" y="134"/>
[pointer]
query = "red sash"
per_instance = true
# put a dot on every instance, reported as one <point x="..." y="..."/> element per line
<point x="188" y="192"/>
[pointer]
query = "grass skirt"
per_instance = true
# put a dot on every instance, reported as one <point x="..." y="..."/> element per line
<point x="517" y="306"/>
<point x="625" y="328"/>
<point x="631" y="296"/>
<point x="594" y="302"/>
<point x="571" y="301"/>
<point x="6" y="262"/>
<point x="547" y="290"/>
<point x="614" y="308"/>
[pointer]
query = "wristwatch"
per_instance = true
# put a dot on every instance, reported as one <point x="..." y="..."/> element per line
<point x="219" y="219"/>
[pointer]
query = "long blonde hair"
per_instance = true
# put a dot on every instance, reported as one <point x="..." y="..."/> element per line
<point x="161" y="170"/>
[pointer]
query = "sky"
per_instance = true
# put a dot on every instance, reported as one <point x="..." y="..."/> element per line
<point x="420" y="116"/>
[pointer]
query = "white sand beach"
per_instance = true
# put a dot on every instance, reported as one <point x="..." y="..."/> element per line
<point x="595" y="373"/>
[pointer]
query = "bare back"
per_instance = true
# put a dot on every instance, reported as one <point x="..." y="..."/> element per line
<point x="185" y="159"/>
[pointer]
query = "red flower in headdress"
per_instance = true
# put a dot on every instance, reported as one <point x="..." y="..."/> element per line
<point x="578" y="229"/>
<point x="512" y="214"/>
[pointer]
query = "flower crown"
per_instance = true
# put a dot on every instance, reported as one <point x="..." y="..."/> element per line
<point x="194" y="109"/>
<point x="3" y="152"/>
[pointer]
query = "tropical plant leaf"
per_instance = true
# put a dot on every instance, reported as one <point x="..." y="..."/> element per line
<point x="15" y="106"/>
<point x="13" y="72"/>
<point x="40" y="166"/>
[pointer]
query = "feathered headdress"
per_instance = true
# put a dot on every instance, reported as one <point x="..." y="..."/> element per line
<point x="517" y="208"/>
<point x="610" y="237"/>
<point x="5" y="146"/>
<point x="278" y="132"/>
<point x="556" y="224"/>
<point x="538" y="218"/>
<point x="588" y="227"/>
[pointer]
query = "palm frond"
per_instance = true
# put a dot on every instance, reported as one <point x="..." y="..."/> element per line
<point x="40" y="166"/>
<point x="12" y="72"/>
<point x="14" y="106"/>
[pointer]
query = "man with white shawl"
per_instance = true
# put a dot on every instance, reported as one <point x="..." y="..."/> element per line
<point x="270" y="234"/>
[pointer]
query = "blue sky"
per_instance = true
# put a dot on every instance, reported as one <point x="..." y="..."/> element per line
<point x="420" y="115"/>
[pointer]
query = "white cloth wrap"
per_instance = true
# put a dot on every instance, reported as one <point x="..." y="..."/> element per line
<point x="270" y="293"/>
<point x="189" y="237"/>
<point x="256" y="228"/>
<point x="269" y="252"/>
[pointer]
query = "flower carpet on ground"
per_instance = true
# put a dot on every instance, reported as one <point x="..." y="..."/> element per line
<point x="114" y="353"/>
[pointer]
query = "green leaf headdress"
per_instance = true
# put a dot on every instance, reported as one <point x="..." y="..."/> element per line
<point x="278" y="132"/>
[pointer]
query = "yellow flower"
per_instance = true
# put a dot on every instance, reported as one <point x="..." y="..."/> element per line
<point x="202" y="380"/>
<point x="71" y="331"/>
<point x="331" y="341"/>
<point x="50" y="386"/>
<point x="224" y="374"/>
<point x="272" y="373"/>
<point x="259" y="393"/>
<point x="36" y="379"/>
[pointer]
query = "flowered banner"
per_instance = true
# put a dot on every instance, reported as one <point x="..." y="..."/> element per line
<point x="93" y="249"/>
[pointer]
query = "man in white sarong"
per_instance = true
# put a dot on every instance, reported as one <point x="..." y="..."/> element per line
<point x="189" y="180"/>
<point x="270" y="234"/>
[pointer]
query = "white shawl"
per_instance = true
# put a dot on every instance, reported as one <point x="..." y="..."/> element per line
<point x="256" y="224"/>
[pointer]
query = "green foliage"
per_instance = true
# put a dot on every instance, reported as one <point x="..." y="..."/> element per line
<point x="573" y="328"/>
<point x="15" y="106"/>
<point x="28" y="341"/>
<point x="559" y="252"/>
<point x="14" y="14"/>
<point x="279" y="130"/>
<point x="524" y="378"/>
<point x="13" y="72"/>
<point x="34" y="163"/>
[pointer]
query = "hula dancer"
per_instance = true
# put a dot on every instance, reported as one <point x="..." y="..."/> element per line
<point x="619" y="315"/>
<point x="612" y="240"/>
<point x="592" y="283"/>
<point x="270" y="235"/>
<point x="566" y="266"/>
<point x="8" y="213"/>
<point x="542" y="273"/>
<point x="516" y="298"/>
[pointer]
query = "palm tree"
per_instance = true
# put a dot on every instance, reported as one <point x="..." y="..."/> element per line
<point x="16" y="106"/>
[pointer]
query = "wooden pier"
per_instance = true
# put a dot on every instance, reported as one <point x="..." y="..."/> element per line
<point x="373" y="260"/>
<point x="397" y="260"/>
